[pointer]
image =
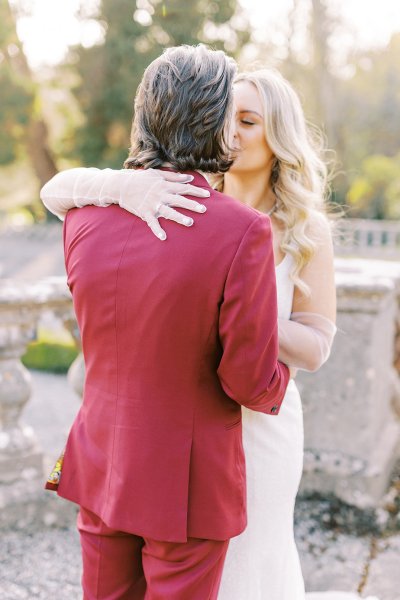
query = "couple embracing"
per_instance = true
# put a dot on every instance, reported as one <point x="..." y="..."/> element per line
<point x="191" y="344"/>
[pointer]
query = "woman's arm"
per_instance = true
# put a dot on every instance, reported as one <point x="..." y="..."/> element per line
<point x="305" y="340"/>
<point x="149" y="194"/>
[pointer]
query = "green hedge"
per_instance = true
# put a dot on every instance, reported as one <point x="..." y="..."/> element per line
<point x="49" y="356"/>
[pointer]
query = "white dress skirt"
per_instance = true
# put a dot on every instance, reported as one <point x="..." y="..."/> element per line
<point x="263" y="563"/>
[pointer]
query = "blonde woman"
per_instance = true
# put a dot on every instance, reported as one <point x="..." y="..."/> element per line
<point x="278" y="170"/>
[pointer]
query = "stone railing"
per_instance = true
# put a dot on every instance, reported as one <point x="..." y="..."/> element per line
<point x="21" y="458"/>
<point x="351" y="406"/>
<point x="368" y="238"/>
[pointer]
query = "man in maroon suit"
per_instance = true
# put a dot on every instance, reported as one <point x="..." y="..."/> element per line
<point x="176" y="337"/>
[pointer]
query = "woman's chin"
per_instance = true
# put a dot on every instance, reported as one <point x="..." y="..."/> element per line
<point x="236" y="167"/>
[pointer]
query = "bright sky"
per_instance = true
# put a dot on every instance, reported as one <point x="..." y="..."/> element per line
<point x="54" y="26"/>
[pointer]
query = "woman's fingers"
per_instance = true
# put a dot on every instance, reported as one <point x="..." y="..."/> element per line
<point x="155" y="227"/>
<point x="167" y="212"/>
<point x="182" y="202"/>
<point x="173" y="215"/>
<point x="172" y="176"/>
<point x="185" y="189"/>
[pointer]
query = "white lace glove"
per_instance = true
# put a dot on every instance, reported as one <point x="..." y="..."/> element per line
<point x="148" y="194"/>
<point x="305" y="340"/>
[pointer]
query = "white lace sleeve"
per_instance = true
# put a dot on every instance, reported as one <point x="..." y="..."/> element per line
<point x="80" y="187"/>
<point x="305" y="340"/>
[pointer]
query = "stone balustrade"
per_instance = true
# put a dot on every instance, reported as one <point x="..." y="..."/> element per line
<point x="369" y="238"/>
<point x="21" y="306"/>
<point x="351" y="406"/>
<point x="20" y="456"/>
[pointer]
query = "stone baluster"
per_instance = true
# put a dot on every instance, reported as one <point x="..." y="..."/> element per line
<point x="21" y="460"/>
<point x="57" y="297"/>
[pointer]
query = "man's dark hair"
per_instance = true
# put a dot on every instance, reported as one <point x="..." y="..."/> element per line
<point x="182" y="108"/>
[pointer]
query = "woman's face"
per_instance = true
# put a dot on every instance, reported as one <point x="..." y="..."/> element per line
<point x="254" y="154"/>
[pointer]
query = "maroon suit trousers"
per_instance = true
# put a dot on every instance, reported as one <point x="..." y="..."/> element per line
<point x="122" y="566"/>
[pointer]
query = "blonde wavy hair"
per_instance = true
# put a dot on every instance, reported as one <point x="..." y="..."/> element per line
<point x="299" y="177"/>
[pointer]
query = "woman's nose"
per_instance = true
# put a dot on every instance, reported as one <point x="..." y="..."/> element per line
<point x="234" y="130"/>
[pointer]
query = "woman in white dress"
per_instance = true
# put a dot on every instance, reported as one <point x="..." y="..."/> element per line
<point x="278" y="170"/>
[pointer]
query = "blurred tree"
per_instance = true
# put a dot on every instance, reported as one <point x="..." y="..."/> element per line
<point x="375" y="192"/>
<point x="21" y="118"/>
<point x="354" y="96"/>
<point x="306" y="57"/>
<point x="110" y="72"/>
<point x="367" y="106"/>
<point x="322" y="28"/>
<point x="16" y="102"/>
<point x="370" y="104"/>
<point x="15" y="92"/>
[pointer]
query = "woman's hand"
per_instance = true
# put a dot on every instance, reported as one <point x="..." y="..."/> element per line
<point x="152" y="194"/>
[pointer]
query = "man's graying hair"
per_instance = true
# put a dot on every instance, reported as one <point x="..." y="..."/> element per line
<point x="181" y="111"/>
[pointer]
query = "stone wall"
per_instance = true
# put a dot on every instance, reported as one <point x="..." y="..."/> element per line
<point x="352" y="427"/>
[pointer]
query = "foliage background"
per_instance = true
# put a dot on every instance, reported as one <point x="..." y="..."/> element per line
<point x="78" y="112"/>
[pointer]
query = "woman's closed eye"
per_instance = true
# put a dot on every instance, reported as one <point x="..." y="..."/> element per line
<point x="245" y="122"/>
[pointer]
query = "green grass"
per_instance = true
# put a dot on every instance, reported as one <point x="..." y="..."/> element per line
<point x="53" y="352"/>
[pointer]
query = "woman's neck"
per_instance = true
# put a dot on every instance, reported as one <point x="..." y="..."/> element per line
<point x="252" y="189"/>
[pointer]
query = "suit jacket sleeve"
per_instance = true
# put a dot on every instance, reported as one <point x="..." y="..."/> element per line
<point x="249" y="370"/>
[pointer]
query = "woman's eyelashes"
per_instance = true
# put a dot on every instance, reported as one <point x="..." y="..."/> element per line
<point x="245" y="122"/>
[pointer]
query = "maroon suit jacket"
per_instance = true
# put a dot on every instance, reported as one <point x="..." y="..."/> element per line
<point x="177" y="335"/>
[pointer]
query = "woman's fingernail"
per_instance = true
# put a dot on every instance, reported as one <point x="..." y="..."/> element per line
<point x="189" y="222"/>
<point x="186" y="177"/>
<point x="202" y="208"/>
<point x="162" y="236"/>
<point x="205" y="193"/>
